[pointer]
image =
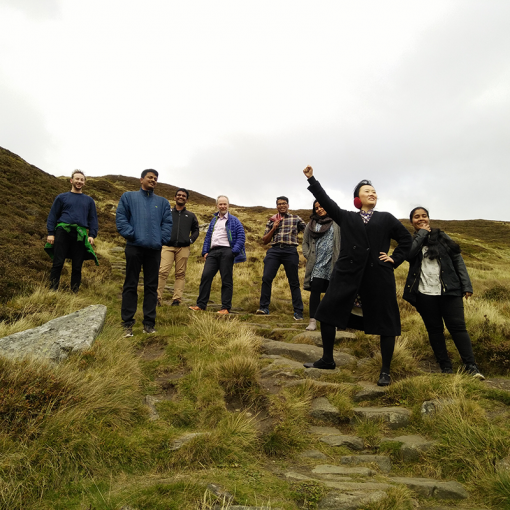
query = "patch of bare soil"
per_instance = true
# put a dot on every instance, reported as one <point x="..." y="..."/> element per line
<point x="152" y="351"/>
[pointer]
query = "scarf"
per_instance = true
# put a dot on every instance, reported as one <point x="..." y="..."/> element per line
<point x="324" y="221"/>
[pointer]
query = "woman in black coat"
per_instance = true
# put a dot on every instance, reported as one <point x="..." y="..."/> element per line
<point x="436" y="283"/>
<point x="362" y="291"/>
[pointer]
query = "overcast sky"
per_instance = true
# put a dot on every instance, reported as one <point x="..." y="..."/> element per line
<point x="237" y="97"/>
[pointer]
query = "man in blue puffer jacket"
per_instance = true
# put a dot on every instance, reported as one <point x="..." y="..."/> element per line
<point x="145" y="221"/>
<point x="223" y="247"/>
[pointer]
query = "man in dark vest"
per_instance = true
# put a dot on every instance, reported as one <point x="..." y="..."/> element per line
<point x="184" y="233"/>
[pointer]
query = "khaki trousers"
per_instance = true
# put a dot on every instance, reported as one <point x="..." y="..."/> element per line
<point x="169" y="254"/>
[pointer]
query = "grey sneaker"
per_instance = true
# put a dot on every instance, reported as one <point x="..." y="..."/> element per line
<point x="262" y="311"/>
<point x="128" y="331"/>
<point x="149" y="330"/>
<point x="298" y="316"/>
<point x="473" y="370"/>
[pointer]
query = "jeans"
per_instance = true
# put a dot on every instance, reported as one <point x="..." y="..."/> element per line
<point x="218" y="259"/>
<point x="275" y="257"/>
<point x="136" y="258"/>
<point x="435" y="309"/>
<point x="67" y="246"/>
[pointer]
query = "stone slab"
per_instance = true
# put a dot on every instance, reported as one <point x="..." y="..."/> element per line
<point x="329" y="469"/>
<point x="393" y="417"/>
<point x="58" y="338"/>
<point x="430" y="488"/>
<point x="382" y="461"/>
<point x="352" y="442"/>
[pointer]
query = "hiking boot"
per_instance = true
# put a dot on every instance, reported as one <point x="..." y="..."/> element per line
<point x="175" y="303"/>
<point x="323" y="365"/>
<point x="446" y="370"/>
<point x="473" y="370"/>
<point x="384" y="379"/>
<point x="128" y="331"/>
<point x="223" y="311"/>
<point x="149" y="330"/>
<point x="262" y="311"/>
<point x="312" y="326"/>
<point x="298" y="316"/>
<point x="196" y="308"/>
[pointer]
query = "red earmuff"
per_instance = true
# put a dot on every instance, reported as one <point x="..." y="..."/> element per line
<point x="357" y="203"/>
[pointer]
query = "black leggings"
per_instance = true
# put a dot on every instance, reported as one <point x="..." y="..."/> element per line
<point x="317" y="287"/>
<point x="328" y="333"/>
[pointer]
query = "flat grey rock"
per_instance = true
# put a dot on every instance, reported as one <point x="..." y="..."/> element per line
<point x="431" y="407"/>
<point x="412" y="447"/>
<point x="299" y="352"/>
<point x="370" y="391"/>
<point x="280" y="363"/>
<point x="322" y="409"/>
<point x="312" y="454"/>
<point x="316" y="338"/>
<point x="393" y="417"/>
<point x="503" y="465"/>
<point x="382" y="461"/>
<point x="151" y="402"/>
<point x="337" y="500"/>
<point x="324" y="431"/>
<point x="352" y="442"/>
<point x="328" y="469"/>
<point x="430" y="488"/>
<point x="58" y="338"/>
<point x="356" y="486"/>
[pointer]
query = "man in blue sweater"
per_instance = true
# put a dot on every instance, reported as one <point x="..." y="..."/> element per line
<point x="145" y="221"/>
<point x="71" y="214"/>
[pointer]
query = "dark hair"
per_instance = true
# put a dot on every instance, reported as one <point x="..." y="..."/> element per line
<point x="185" y="191"/>
<point x="411" y="214"/>
<point x="282" y="198"/>
<point x="435" y="238"/>
<point x="364" y="182"/>
<point x="145" y="172"/>
<point x="78" y="172"/>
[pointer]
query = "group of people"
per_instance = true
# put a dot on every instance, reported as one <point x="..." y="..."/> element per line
<point x="347" y="260"/>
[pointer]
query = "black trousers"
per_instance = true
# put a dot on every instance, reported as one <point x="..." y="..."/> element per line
<point x="218" y="259"/>
<point x="275" y="257"/>
<point x="317" y="287"/>
<point x="136" y="258"/>
<point x="450" y="309"/>
<point x="66" y="246"/>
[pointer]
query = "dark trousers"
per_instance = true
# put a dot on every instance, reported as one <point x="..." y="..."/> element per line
<point x="317" y="287"/>
<point x="328" y="333"/>
<point x="450" y="309"/>
<point x="136" y="258"/>
<point x="222" y="260"/>
<point x="275" y="257"/>
<point x="66" y="246"/>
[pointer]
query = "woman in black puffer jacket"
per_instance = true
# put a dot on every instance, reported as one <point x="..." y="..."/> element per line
<point x="436" y="283"/>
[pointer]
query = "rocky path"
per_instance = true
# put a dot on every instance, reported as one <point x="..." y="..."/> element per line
<point x="363" y="476"/>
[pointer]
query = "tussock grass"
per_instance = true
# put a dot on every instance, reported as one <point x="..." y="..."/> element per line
<point x="397" y="498"/>
<point x="403" y="364"/>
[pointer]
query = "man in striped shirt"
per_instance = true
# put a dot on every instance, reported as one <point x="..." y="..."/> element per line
<point x="282" y="231"/>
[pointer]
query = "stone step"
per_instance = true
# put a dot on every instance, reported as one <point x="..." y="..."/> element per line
<point x="411" y="447"/>
<point x="303" y="352"/>
<point x="429" y="488"/>
<point x="315" y="337"/>
<point x="329" y="469"/>
<point x="393" y="417"/>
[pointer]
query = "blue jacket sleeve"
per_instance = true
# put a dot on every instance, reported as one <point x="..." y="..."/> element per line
<point x="166" y="223"/>
<point x="92" y="219"/>
<point x="239" y="237"/>
<point x="55" y="212"/>
<point x="207" y="240"/>
<point x="123" y="219"/>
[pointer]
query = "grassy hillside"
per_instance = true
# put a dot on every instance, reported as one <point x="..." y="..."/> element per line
<point x="79" y="436"/>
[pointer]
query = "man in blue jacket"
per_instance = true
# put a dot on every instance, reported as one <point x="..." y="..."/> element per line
<point x="223" y="247"/>
<point x="145" y="221"/>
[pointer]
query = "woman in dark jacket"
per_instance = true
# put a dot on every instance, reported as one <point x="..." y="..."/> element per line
<point x="321" y="247"/>
<point x="363" y="274"/>
<point x="436" y="283"/>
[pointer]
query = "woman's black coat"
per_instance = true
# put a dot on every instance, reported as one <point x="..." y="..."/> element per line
<point x="454" y="276"/>
<point x="358" y="269"/>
